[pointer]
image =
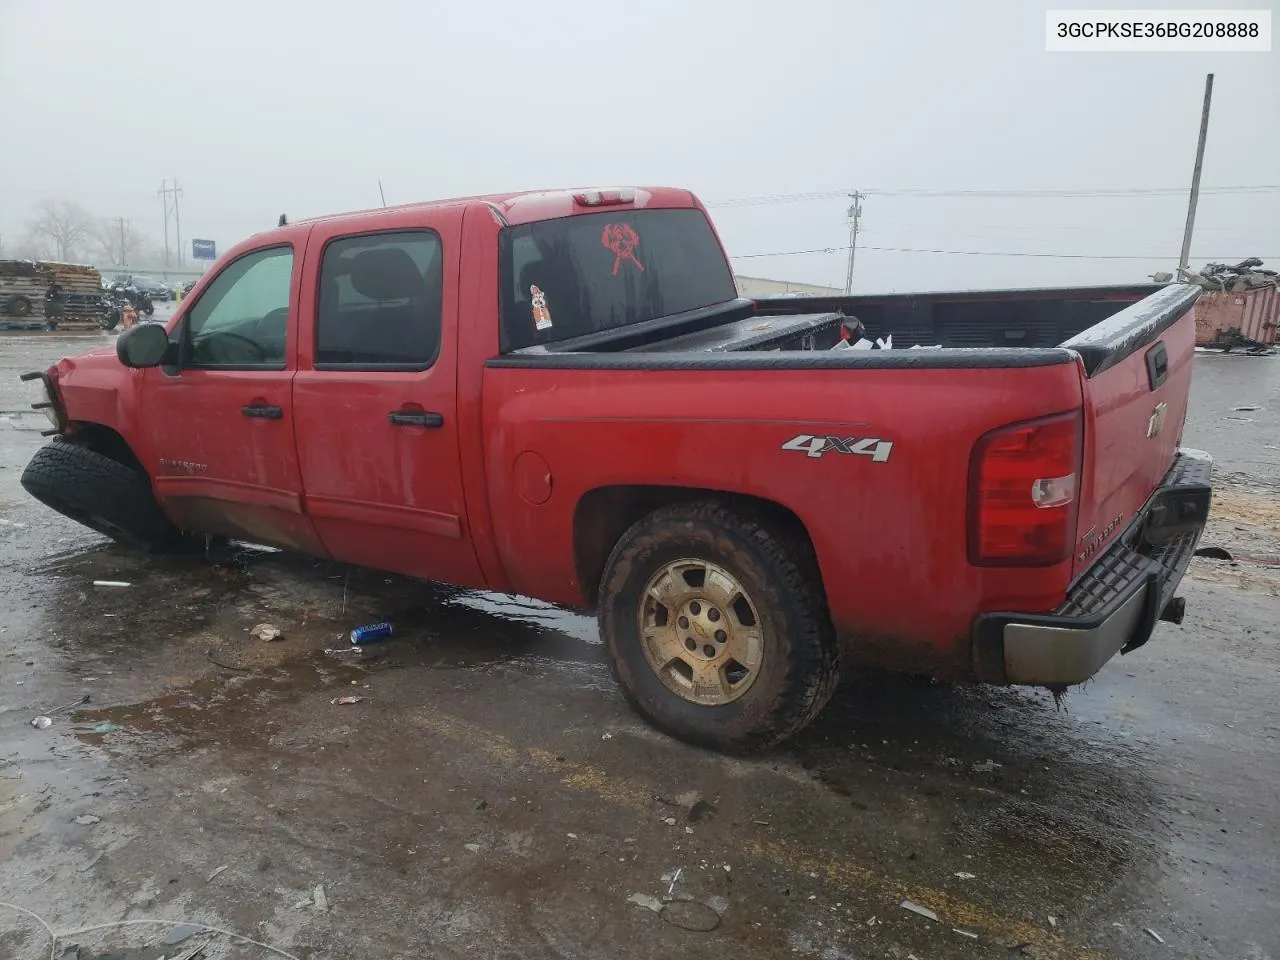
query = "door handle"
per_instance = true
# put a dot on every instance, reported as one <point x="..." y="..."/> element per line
<point x="415" y="418"/>
<point x="1157" y="365"/>
<point x="263" y="412"/>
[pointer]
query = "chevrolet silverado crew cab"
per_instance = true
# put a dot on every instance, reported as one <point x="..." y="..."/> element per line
<point x="562" y="395"/>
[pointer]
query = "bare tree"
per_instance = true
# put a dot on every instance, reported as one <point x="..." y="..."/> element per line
<point x="32" y="247"/>
<point x="119" y="242"/>
<point x="63" y="226"/>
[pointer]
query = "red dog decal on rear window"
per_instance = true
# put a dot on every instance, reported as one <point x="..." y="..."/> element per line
<point x="622" y="239"/>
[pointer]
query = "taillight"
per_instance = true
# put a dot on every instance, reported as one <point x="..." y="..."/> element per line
<point x="1024" y="484"/>
<point x="605" y="198"/>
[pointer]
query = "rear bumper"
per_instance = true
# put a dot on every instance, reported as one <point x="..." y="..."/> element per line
<point x="1114" y="606"/>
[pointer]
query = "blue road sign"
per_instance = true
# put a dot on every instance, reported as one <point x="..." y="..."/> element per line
<point x="204" y="250"/>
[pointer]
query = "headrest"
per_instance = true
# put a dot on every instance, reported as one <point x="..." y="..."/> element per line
<point x="386" y="274"/>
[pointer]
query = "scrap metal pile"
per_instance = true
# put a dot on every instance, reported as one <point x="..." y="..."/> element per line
<point x="1245" y="275"/>
<point x="1240" y="308"/>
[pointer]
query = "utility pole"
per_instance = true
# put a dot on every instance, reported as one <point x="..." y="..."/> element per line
<point x="854" y="213"/>
<point x="169" y="200"/>
<point x="1183" y="260"/>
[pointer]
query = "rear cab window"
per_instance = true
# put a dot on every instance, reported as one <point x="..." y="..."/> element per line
<point x="597" y="272"/>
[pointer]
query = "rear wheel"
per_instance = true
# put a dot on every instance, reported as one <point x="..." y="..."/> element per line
<point x="717" y="628"/>
<point x="18" y="306"/>
<point x="103" y="494"/>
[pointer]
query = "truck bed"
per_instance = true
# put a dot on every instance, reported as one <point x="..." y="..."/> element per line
<point x="982" y="318"/>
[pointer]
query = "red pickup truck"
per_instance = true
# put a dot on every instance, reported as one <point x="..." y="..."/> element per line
<point x="561" y="395"/>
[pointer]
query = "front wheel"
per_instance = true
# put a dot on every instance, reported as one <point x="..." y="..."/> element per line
<point x="103" y="494"/>
<point x="717" y="627"/>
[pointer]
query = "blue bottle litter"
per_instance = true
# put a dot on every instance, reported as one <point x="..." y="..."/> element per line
<point x="370" y="634"/>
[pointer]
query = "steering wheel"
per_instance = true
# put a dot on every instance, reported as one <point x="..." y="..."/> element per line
<point x="257" y="347"/>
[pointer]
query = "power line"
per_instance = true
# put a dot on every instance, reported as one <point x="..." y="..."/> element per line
<point x="977" y="253"/>
<point x="1087" y="193"/>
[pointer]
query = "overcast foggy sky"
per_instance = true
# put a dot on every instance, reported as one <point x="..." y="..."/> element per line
<point x="266" y="107"/>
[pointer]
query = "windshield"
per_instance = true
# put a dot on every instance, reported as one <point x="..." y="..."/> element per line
<point x="601" y="271"/>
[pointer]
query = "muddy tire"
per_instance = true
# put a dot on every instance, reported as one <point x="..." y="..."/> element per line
<point x="717" y="627"/>
<point x="18" y="306"/>
<point x="103" y="494"/>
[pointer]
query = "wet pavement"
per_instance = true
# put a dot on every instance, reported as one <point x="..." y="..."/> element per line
<point x="492" y="796"/>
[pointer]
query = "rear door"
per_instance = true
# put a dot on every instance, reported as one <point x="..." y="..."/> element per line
<point x="221" y="423"/>
<point x="375" y="396"/>
<point x="1138" y="364"/>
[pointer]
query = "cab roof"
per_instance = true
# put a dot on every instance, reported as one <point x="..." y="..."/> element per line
<point x="533" y="205"/>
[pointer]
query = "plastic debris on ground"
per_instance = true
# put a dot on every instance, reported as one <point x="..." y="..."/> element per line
<point x="966" y="876"/>
<point x="45" y="720"/>
<point x="473" y="847"/>
<point x="646" y="901"/>
<point x="1153" y="935"/>
<point x="213" y="876"/>
<point x="111" y="583"/>
<point x="175" y="935"/>
<point x="965" y="933"/>
<point x="922" y="911"/>
<point x="319" y="899"/>
<point x="88" y="820"/>
<point x="266" y="632"/>
<point x="105" y="727"/>
<point x="985" y="766"/>
<point x="346" y="701"/>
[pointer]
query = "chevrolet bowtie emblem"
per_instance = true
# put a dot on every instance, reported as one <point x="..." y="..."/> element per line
<point x="1156" y="423"/>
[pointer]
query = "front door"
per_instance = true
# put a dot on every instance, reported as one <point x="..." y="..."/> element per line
<point x="375" y="397"/>
<point x="221" y="423"/>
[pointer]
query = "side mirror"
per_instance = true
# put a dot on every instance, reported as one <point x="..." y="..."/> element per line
<point x="144" y="345"/>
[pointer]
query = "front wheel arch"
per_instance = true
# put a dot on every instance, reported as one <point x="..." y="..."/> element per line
<point x="107" y="441"/>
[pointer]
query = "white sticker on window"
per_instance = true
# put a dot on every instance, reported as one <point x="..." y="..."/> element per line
<point x="541" y="315"/>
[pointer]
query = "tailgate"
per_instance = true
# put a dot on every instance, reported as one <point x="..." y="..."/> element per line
<point x="1138" y="365"/>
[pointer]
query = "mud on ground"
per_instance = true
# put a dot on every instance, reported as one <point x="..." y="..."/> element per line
<point x="492" y="796"/>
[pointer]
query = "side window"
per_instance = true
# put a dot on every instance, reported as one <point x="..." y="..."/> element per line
<point x="242" y="317"/>
<point x="380" y="302"/>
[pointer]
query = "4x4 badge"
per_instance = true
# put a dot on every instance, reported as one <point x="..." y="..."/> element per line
<point x="875" y="448"/>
